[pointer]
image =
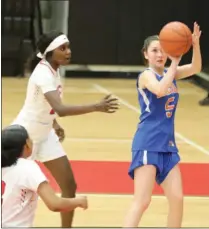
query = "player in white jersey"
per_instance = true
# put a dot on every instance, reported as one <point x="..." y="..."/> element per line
<point x="43" y="102"/>
<point x="23" y="180"/>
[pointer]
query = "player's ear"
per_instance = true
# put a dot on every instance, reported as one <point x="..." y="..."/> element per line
<point x="145" y="55"/>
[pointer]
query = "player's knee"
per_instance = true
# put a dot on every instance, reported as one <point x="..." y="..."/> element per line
<point x="177" y="198"/>
<point x="143" y="203"/>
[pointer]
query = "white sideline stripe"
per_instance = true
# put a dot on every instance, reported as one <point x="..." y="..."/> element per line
<point x="99" y="140"/>
<point x="102" y="68"/>
<point x="74" y="90"/>
<point x="131" y="107"/>
<point x="130" y="195"/>
<point x="190" y="142"/>
<point x="203" y="75"/>
<point x="106" y="140"/>
<point x="113" y="68"/>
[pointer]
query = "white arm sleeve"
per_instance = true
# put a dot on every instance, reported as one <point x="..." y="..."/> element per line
<point x="44" y="78"/>
<point x="34" y="176"/>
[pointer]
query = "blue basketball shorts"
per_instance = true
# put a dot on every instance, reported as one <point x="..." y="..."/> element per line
<point x="163" y="161"/>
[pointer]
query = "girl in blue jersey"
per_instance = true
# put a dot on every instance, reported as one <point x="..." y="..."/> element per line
<point x="154" y="152"/>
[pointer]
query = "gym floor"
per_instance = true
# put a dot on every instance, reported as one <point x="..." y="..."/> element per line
<point x="99" y="148"/>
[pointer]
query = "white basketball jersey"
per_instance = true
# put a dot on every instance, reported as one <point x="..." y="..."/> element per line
<point x="37" y="115"/>
<point x="19" y="193"/>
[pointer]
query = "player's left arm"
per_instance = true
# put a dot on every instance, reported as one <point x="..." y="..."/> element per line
<point x="59" y="130"/>
<point x="196" y="65"/>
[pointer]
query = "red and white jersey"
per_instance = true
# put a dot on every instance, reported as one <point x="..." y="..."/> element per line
<point x="19" y="193"/>
<point x="37" y="115"/>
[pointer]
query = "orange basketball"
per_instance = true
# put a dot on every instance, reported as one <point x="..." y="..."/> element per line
<point x="175" y="38"/>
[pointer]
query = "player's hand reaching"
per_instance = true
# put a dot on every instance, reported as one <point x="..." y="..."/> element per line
<point x="196" y="34"/>
<point x="59" y="131"/>
<point x="108" y="104"/>
<point x="83" y="202"/>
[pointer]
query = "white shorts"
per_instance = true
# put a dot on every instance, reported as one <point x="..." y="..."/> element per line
<point x="48" y="149"/>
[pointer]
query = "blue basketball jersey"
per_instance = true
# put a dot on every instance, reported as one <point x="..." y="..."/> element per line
<point x="155" y="131"/>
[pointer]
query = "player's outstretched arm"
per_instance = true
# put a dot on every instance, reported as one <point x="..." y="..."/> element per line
<point x="196" y="65"/>
<point x="58" y="204"/>
<point x="107" y="105"/>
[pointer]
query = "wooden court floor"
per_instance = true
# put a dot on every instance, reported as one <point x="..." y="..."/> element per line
<point x="107" y="137"/>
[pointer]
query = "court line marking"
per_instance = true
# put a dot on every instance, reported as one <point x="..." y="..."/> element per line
<point x="131" y="196"/>
<point x="106" y="140"/>
<point x="131" y="107"/>
<point x="76" y="90"/>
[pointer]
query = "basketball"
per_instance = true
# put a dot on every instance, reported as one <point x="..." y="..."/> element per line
<point x="175" y="38"/>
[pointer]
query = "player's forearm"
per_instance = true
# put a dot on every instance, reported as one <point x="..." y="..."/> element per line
<point x="68" y="110"/>
<point x="65" y="204"/>
<point x="167" y="80"/>
<point x="64" y="110"/>
<point x="196" y="59"/>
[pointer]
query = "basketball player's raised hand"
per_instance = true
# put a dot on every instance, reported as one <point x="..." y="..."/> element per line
<point x="108" y="105"/>
<point x="176" y="60"/>
<point x="196" y="34"/>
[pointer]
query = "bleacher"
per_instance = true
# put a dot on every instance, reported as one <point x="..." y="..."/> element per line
<point x="18" y="34"/>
